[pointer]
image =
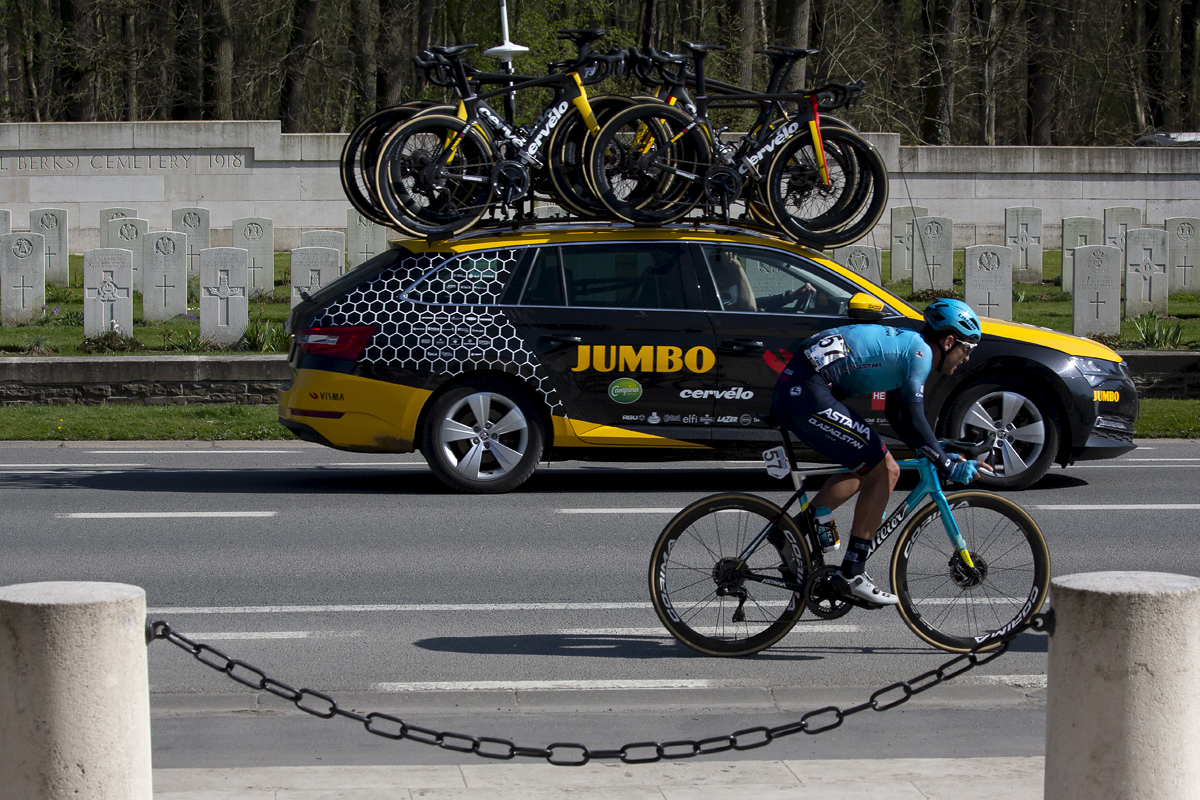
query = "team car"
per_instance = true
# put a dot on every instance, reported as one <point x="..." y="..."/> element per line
<point x="494" y="351"/>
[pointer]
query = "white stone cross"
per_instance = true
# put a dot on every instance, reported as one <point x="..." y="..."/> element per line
<point x="1148" y="270"/>
<point x="224" y="291"/>
<point x="24" y="289"/>
<point x="108" y="293"/>
<point x="1022" y="241"/>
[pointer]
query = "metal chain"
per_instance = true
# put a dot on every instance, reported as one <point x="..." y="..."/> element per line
<point x="568" y="754"/>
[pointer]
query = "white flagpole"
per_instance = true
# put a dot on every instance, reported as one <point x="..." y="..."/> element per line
<point x="505" y="52"/>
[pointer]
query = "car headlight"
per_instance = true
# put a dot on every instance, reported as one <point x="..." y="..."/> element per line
<point x="1098" y="371"/>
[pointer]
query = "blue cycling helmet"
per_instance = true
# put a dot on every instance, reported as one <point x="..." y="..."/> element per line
<point x="945" y="315"/>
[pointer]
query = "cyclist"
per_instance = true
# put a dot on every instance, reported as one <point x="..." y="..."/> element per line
<point x="856" y="360"/>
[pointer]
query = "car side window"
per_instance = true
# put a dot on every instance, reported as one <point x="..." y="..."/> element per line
<point x="756" y="279"/>
<point x="626" y="275"/>
<point x="544" y="286"/>
<point x="476" y="279"/>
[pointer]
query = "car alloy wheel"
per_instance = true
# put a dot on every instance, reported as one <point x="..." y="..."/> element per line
<point x="482" y="439"/>
<point x="1025" y="426"/>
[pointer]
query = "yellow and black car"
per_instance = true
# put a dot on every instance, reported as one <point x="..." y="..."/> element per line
<point x="494" y="351"/>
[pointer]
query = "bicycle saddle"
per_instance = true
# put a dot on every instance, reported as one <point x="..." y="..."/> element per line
<point x="582" y="36"/>
<point x="696" y="47"/>
<point x="452" y="49"/>
<point x="790" y="52"/>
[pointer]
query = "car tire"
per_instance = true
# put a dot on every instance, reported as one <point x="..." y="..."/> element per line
<point x="483" y="437"/>
<point x="1023" y="416"/>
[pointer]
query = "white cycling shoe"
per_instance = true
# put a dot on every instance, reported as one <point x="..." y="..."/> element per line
<point x="861" y="588"/>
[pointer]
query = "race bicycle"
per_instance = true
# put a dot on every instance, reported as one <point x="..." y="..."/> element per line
<point x="654" y="162"/>
<point x="732" y="573"/>
<point x="438" y="174"/>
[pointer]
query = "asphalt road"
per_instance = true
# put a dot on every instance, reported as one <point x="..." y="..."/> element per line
<point x="522" y="615"/>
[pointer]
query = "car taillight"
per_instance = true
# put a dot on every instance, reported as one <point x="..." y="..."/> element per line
<point x="345" y="341"/>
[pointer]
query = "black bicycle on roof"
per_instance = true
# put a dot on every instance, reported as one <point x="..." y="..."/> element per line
<point x="438" y="174"/>
<point x="654" y="162"/>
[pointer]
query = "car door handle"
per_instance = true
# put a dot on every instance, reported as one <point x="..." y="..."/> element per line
<point x="741" y="344"/>
<point x="559" y="341"/>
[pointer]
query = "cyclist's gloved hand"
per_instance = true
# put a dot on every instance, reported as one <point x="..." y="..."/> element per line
<point x="964" y="471"/>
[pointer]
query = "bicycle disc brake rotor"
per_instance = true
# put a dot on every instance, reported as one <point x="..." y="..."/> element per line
<point x="822" y="599"/>
<point x="963" y="576"/>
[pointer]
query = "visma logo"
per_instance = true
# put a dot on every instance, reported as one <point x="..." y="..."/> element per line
<point x="624" y="390"/>
<point x="327" y="396"/>
<point x="625" y="358"/>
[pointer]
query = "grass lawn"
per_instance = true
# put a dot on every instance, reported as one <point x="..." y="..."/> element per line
<point x="1159" y="419"/>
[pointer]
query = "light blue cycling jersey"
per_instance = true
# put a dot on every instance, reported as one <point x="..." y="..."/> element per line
<point x="879" y="359"/>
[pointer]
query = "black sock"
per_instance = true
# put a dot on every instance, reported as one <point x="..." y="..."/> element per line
<point x="855" y="562"/>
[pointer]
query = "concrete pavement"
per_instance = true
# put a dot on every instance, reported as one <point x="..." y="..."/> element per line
<point x="857" y="779"/>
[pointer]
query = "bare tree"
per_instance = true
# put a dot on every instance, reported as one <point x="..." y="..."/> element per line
<point x="295" y="79"/>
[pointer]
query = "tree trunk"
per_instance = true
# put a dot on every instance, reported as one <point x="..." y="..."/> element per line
<point x="395" y="36"/>
<point x="1191" y="64"/>
<point x="223" y="59"/>
<point x="303" y="36"/>
<point x="188" y="101"/>
<point x="366" y="64"/>
<point x="895" y="58"/>
<point x="650" y="24"/>
<point x="424" y="37"/>
<point x="1168" y="56"/>
<point x="940" y="19"/>
<point x="1039" y="80"/>
<point x="129" y="36"/>
<point x="791" y="30"/>
<point x="746" y="26"/>
<point x="6" y="98"/>
<point x="988" y="20"/>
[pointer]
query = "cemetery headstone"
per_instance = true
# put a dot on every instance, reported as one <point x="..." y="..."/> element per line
<point x="1096" y="293"/>
<point x="988" y="280"/>
<point x="364" y="239"/>
<point x="1023" y="233"/>
<point x="256" y="235"/>
<point x="861" y="260"/>
<point x="1145" y="272"/>
<point x="193" y="222"/>
<point x="1183" y="253"/>
<point x="334" y="239"/>
<point x="164" y="275"/>
<point x="52" y="224"/>
<point x="312" y="268"/>
<point x="109" y="214"/>
<point x="903" y="240"/>
<point x="1077" y="232"/>
<point x="22" y="277"/>
<point x="128" y="233"/>
<point x="5" y="221"/>
<point x="1118" y="221"/>
<point x="933" y="254"/>
<point x="224" y="306"/>
<point x="107" y="291"/>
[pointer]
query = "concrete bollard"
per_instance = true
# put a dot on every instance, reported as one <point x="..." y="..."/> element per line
<point x="74" y="692"/>
<point x="1123" y="694"/>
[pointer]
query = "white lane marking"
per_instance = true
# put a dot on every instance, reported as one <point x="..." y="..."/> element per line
<point x="374" y="464"/>
<point x="163" y="514"/>
<point x="1178" y="458"/>
<point x="662" y="633"/>
<point x="1122" y="507"/>
<point x="1133" y="466"/>
<point x="533" y="686"/>
<point x="618" y="510"/>
<point x="250" y="635"/>
<point x="66" y="466"/>
<point x="197" y="451"/>
<point x="53" y="471"/>
<point x="407" y="607"/>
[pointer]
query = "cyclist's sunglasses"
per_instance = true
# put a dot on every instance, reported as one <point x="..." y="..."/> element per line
<point x="968" y="345"/>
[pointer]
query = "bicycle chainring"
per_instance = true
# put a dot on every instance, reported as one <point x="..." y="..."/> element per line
<point x="820" y="596"/>
<point x="722" y="185"/>
<point x="511" y="179"/>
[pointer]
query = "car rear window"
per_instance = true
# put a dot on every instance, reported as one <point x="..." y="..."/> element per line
<point x="627" y="275"/>
<point x="477" y="279"/>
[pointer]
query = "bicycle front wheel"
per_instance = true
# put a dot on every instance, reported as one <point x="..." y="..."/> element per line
<point x="703" y="594"/>
<point x="942" y="601"/>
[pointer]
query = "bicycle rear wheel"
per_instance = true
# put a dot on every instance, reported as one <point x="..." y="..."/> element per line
<point x="648" y="164"/>
<point x="357" y="166"/>
<point x="434" y="176"/>
<point x="695" y="578"/>
<point x="940" y="600"/>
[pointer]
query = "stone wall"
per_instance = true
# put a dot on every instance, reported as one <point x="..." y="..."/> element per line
<point x="145" y="380"/>
<point x="251" y="169"/>
<point x="1165" y="375"/>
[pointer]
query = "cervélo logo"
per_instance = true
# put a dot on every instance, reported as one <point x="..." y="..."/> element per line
<point x="624" y="390"/>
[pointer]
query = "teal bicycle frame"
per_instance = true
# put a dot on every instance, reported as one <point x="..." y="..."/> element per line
<point x="929" y="485"/>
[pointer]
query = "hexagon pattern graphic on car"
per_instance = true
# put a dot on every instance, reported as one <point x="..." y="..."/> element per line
<point x="447" y="323"/>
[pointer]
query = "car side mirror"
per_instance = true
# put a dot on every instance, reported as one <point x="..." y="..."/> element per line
<point x="866" y="308"/>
